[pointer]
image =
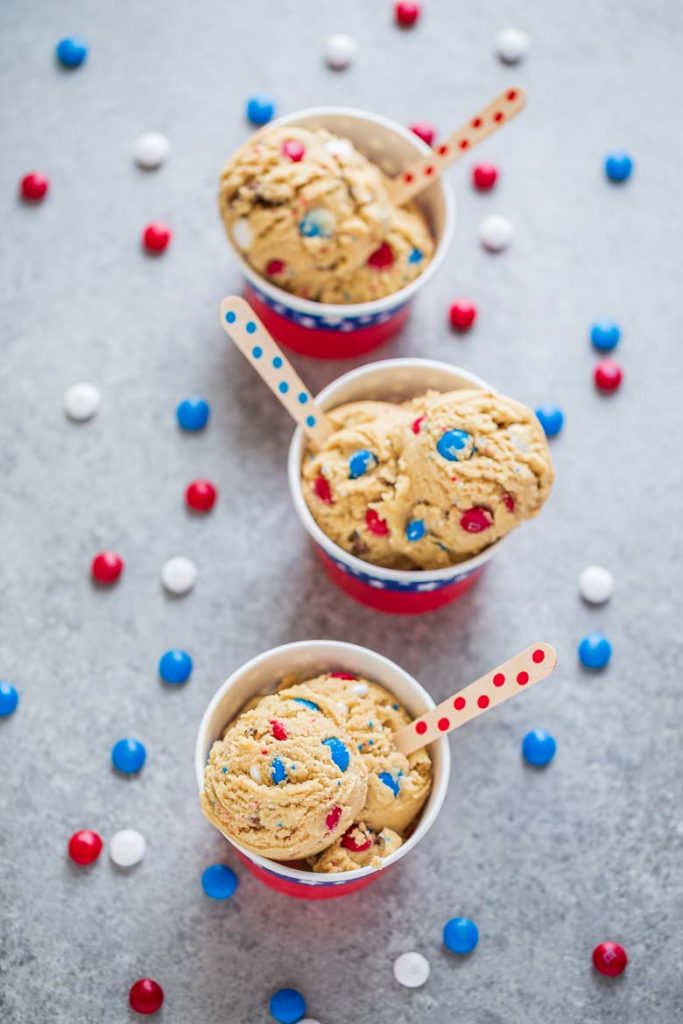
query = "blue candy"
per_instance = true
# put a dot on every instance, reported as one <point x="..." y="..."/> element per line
<point x="416" y="256"/>
<point x="9" y="698"/>
<point x="318" y="223"/>
<point x="71" y="52"/>
<point x="260" y="109"/>
<point x="360" y="462"/>
<point x="455" y="445"/>
<point x="287" y="1006"/>
<point x="389" y="780"/>
<point x="538" y="747"/>
<point x="595" y="650"/>
<point x="618" y="166"/>
<point x="278" y="772"/>
<point x="175" y="666"/>
<point x="460" y="935"/>
<point x="306" y="703"/>
<point x="340" y="754"/>
<point x="416" y="529"/>
<point x="193" y="413"/>
<point x="128" y="756"/>
<point x="605" y="335"/>
<point x="551" y="419"/>
<point x="219" y="882"/>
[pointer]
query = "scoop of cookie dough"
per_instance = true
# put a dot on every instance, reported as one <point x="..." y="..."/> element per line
<point x="430" y="482"/>
<point x="313" y="215"/>
<point x="360" y="847"/>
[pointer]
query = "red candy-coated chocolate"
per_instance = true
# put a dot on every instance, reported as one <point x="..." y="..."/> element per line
<point x="610" y="958"/>
<point x="416" y="424"/>
<point x="146" y="996"/>
<point x="407" y="12"/>
<point x="201" y="495"/>
<point x="293" y="150"/>
<point x="509" y="502"/>
<point x="608" y="375"/>
<point x="375" y="524"/>
<point x="85" y="847"/>
<point x="424" y="131"/>
<point x="106" y="567"/>
<point x="349" y="841"/>
<point x="34" y="186"/>
<point x="343" y="675"/>
<point x="278" y="729"/>
<point x="477" y="519"/>
<point x="382" y="258"/>
<point x="484" y="177"/>
<point x="156" y="237"/>
<point x="332" y="819"/>
<point x="462" y="314"/>
<point x="323" y="490"/>
<point x="274" y="267"/>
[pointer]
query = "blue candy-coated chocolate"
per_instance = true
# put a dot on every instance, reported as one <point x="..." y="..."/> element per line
<point x="9" y="699"/>
<point x="618" y="166"/>
<point x="175" y="666"/>
<point x="605" y="335"/>
<point x="389" y="780"/>
<point x="551" y="419"/>
<point x="306" y="703"/>
<point x="416" y="529"/>
<point x="360" y="462"/>
<point x="71" y="52"/>
<point x="460" y="935"/>
<point x="193" y="413"/>
<point x="538" y="747"/>
<point x="339" y="752"/>
<point x="260" y="109"/>
<point x="455" y="445"/>
<point x="278" y="772"/>
<point x="287" y="1006"/>
<point x="595" y="650"/>
<point x="128" y="756"/>
<point x="219" y="881"/>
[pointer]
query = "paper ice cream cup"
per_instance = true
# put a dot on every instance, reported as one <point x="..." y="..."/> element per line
<point x="307" y="659"/>
<point x="334" y="331"/>
<point x="388" y="590"/>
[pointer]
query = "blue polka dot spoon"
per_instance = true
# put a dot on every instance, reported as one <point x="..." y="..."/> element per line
<point x="254" y="341"/>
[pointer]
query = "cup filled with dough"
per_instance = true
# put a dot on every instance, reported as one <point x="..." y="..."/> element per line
<point x="297" y="767"/>
<point x="426" y="471"/>
<point x="331" y="263"/>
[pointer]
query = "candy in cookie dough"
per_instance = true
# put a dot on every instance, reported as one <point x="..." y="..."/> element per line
<point x="313" y="215"/>
<point x="430" y="482"/>
<point x="360" y="847"/>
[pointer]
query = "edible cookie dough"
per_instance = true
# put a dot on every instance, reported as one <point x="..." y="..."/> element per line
<point x="429" y="482"/>
<point x="313" y="215"/>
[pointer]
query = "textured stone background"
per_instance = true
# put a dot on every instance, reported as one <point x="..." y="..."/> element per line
<point x="548" y="863"/>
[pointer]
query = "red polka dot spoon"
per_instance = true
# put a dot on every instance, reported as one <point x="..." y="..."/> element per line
<point x="512" y="677"/>
<point x="422" y="173"/>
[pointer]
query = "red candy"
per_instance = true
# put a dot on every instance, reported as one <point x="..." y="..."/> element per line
<point x="484" y="177"/>
<point x="424" y="131"/>
<point x="323" y="490"/>
<point x="278" y="729"/>
<point x="462" y="314"/>
<point x="407" y="12"/>
<point x="382" y="258"/>
<point x="293" y="150"/>
<point x="349" y="842"/>
<point x="201" y="496"/>
<point x="610" y="958"/>
<point x="106" y="567"/>
<point x="343" y="675"/>
<point x="332" y="819"/>
<point x="146" y="996"/>
<point x="156" y="237"/>
<point x="416" y="424"/>
<point x="85" y="847"/>
<point x="274" y="267"/>
<point x="375" y="524"/>
<point x="608" y="375"/>
<point x="34" y="186"/>
<point x="475" y="520"/>
<point x="509" y="502"/>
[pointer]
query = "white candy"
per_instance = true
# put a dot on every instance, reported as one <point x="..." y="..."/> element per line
<point x="340" y="50"/>
<point x="511" y="45"/>
<point x="127" y="847"/>
<point x="360" y="688"/>
<point x="241" y="233"/>
<point x="339" y="147"/>
<point x="596" y="585"/>
<point x="411" y="969"/>
<point x="179" y="574"/>
<point x="495" y="232"/>
<point x="151" y="150"/>
<point x="81" y="401"/>
<point x="255" y="773"/>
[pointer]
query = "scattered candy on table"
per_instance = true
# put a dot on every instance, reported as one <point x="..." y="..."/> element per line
<point x="9" y="699"/>
<point x="407" y="13"/>
<point x="201" y="496"/>
<point x="608" y="375"/>
<point x="618" y="166"/>
<point x="610" y="958"/>
<point x="219" y="881"/>
<point x="146" y="996"/>
<point x="260" y="109"/>
<point x="495" y="232"/>
<point x="605" y="335"/>
<point x="175" y="666"/>
<point x="84" y="847"/>
<point x="128" y="755"/>
<point x="538" y="747"/>
<point x="462" y="314"/>
<point x="287" y="1006"/>
<point x="595" y="651"/>
<point x="81" y="401"/>
<point x="106" y="567"/>
<point x="340" y="50"/>
<point x="71" y="52"/>
<point x="179" y="574"/>
<point x="511" y="45"/>
<point x="460" y="935"/>
<point x="33" y="187"/>
<point x="411" y="969"/>
<point x="151" y="150"/>
<point x="596" y="584"/>
<point x="156" y="237"/>
<point x="127" y="848"/>
<point x="551" y="419"/>
<point x="484" y="177"/>
<point x="424" y="131"/>
<point x="193" y="413"/>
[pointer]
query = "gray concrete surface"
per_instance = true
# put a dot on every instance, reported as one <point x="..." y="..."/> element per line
<point x="548" y="863"/>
